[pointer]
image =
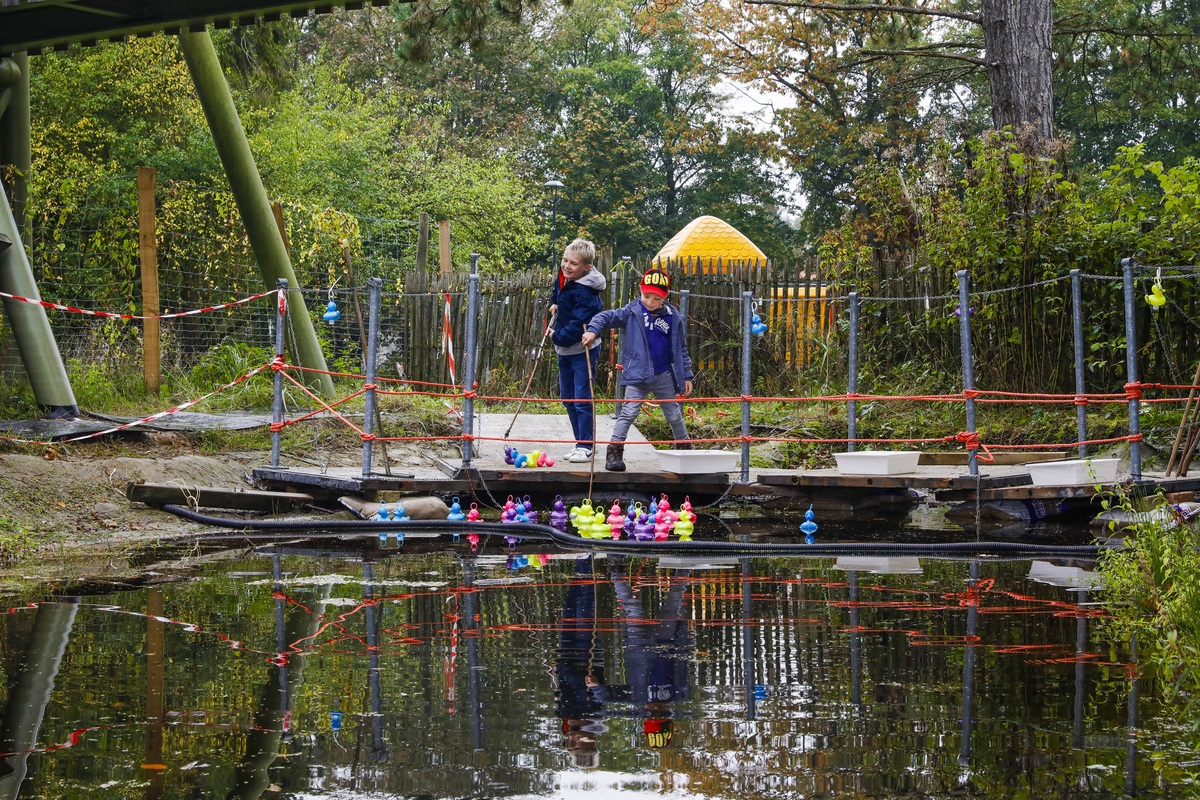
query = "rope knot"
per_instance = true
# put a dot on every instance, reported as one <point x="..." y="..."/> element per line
<point x="970" y="394"/>
<point x="1081" y="400"/>
<point x="1133" y="391"/>
<point x="370" y="387"/>
<point x="968" y="438"/>
<point x="277" y="363"/>
<point x="276" y="427"/>
<point x="367" y="437"/>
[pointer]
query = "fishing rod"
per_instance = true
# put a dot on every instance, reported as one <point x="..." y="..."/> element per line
<point x="533" y="371"/>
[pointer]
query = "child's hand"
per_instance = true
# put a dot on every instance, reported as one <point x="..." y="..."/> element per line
<point x="588" y="338"/>
<point x="687" y="388"/>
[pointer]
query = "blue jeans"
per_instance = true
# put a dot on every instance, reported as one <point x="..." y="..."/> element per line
<point x="576" y="391"/>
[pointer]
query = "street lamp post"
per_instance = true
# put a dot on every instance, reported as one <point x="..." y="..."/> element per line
<point x="553" y="186"/>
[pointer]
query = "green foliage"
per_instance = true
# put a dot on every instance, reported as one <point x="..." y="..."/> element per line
<point x="13" y="539"/>
<point x="224" y="364"/>
<point x="1006" y="212"/>
<point x="1152" y="590"/>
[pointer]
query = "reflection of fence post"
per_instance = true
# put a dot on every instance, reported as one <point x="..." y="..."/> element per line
<point x="1077" y="320"/>
<point x="148" y="258"/>
<point x="468" y="422"/>
<point x="374" y="288"/>
<point x="747" y="312"/>
<point x="1135" y="449"/>
<point x="852" y="381"/>
<point x="277" y="404"/>
<point x="964" y="313"/>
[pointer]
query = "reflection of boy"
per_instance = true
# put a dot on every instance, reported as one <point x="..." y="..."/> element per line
<point x="654" y="361"/>
<point x="580" y="669"/>
<point x="655" y="655"/>
<point x="575" y="299"/>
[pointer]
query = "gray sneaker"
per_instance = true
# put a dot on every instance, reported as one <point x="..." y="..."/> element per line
<point x="580" y="455"/>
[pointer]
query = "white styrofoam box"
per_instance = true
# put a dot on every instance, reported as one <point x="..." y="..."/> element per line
<point x="692" y="462"/>
<point x="878" y="462"/>
<point x="1074" y="471"/>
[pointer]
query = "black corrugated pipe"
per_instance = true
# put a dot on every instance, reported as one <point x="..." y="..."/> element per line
<point x="528" y="530"/>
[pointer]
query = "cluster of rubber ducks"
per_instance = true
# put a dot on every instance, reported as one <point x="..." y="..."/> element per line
<point x="538" y="458"/>
<point x="655" y="522"/>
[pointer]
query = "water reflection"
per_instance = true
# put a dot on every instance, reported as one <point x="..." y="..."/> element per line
<point x="349" y="675"/>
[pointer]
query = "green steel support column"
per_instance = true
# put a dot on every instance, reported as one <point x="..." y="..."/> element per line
<point x="15" y="144"/>
<point x="251" y="197"/>
<point x="31" y="328"/>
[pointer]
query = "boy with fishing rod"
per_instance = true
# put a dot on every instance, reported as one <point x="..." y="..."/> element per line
<point x="574" y="300"/>
<point x="654" y="361"/>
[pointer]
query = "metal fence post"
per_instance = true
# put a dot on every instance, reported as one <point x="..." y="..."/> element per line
<point x="1077" y="324"/>
<point x="374" y="290"/>
<point x="747" y="314"/>
<point x="852" y="383"/>
<point x="277" y="403"/>
<point x="468" y="424"/>
<point x="964" y="313"/>
<point x="1131" y="378"/>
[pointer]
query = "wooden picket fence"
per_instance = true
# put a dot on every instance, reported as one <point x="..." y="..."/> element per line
<point x="791" y="300"/>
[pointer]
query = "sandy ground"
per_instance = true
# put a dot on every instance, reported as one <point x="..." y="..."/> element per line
<point x="78" y="525"/>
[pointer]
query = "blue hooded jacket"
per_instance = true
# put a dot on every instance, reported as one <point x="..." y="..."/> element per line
<point x="578" y="301"/>
<point x="636" y="366"/>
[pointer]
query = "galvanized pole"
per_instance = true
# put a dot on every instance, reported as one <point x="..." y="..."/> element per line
<point x="1077" y="320"/>
<point x="747" y="313"/>
<point x="964" y="311"/>
<point x="1131" y="378"/>
<point x="852" y="382"/>
<point x="277" y="405"/>
<point x="374" y="289"/>
<point x="468" y="423"/>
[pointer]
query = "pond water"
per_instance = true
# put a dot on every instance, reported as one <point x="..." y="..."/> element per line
<point x="337" y="670"/>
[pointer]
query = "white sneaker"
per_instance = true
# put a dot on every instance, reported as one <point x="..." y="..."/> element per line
<point x="580" y="455"/>
<point x="569" y="454"/>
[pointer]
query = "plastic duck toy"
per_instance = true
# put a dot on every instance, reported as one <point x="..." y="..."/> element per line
<point x="382" y="514"/>
<point x="808" y="527"/>
<point x="616" y="519"/>
<point x="331" y="314"/>
<point x="1156" y="298"/>
<point x="643" y="529"/>
<point x="400" y="515"/>
<point x="757" y="326"/>
<point x="456" y="512"/>
<point x="473" y="513"/>
<point x="508" y="455"/>
<point x="558" y="514"/>
<point x="684" y="528"/>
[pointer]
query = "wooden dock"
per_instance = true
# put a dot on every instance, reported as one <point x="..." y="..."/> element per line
<point x="489" y="481"/>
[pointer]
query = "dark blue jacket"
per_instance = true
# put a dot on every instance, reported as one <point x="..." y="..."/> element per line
<point x="636" y="366"/>
<point x="578" y="301"/>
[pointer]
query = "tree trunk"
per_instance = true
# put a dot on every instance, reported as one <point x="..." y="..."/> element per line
<point x="1016" y="36"/>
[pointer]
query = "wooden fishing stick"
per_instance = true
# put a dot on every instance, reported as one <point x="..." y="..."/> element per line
<point x="587" y="357"/>
<point x="532" y="372"/>
<point x="1183" y="424"/>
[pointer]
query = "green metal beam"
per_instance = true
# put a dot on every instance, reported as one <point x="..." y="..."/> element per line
<point x="251" y="198"/>
<point x="31" y="328"/>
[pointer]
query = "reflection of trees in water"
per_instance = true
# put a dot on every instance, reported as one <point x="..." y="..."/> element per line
<point x="780" y="674"/>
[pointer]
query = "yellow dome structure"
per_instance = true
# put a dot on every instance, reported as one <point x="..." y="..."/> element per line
<point x="706" y="239"/>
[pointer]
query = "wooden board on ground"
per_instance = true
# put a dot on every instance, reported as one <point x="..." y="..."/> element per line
<point x="160" y="494"/>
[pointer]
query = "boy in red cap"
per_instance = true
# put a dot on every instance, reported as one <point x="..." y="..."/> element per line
<point x="654" y="360"/>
